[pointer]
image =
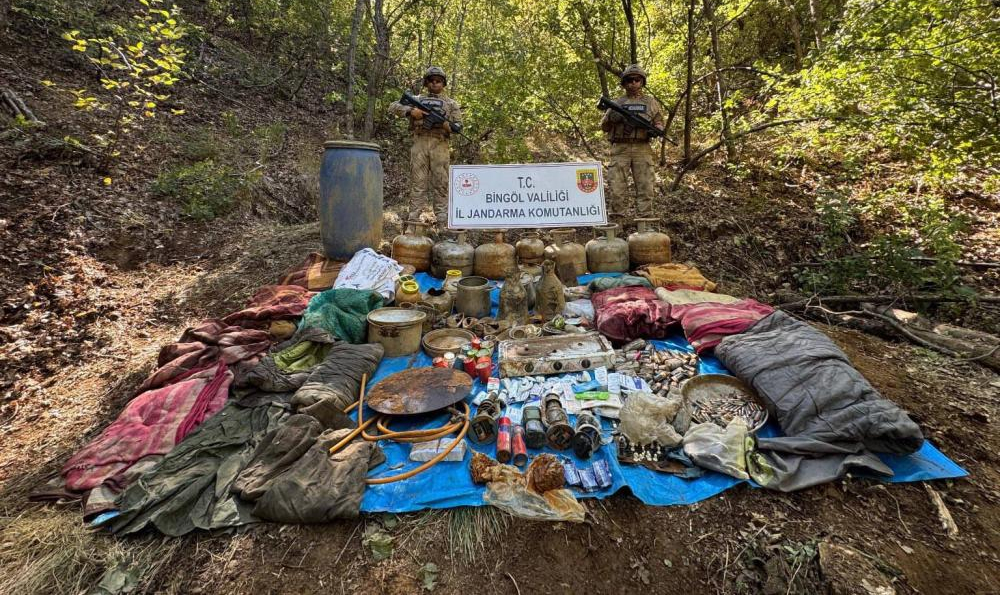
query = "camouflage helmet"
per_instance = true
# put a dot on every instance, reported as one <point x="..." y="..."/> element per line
<point x="435" y="71"/>
<point x="633" y="70"/>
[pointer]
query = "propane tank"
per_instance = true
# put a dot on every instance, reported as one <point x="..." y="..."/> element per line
<point x="646" y="245"/>
<point x="413" y="247"/>
<point x="495" y="259"/>
<point x="570" y="258"/>
<point x="530" y="249"/>
<point x="452" y="253"/>
<point x="607" y="253"/>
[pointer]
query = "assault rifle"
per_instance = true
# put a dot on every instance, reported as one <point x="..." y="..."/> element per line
<point x="433" y="116"/>
<point x="637" y="122"/>
<point x="630" y="118"/>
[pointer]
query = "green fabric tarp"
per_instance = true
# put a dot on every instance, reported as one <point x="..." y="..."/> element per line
<point x="342" y="312"/>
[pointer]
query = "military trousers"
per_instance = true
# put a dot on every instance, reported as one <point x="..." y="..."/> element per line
<point x="429" y="158"/>
<point x="637" y="159"/>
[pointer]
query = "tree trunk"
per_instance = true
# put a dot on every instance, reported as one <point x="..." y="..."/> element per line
<point x="380" y="62"/>
<point x="633" y="51"/>
<point x="796" y="26"/>
<point x="4" y="12"/>
<point x="720" y="81"/>
<point x="458" y="49"/>
<point x="595" y="49"/>
<point x="688" y="82"/>
<point x="352" y="48"/>
<point x="813" y="15"/>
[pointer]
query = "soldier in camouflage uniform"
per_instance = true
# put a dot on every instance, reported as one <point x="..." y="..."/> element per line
<point x="429" y="155"/>
<point x="630" y="150"/>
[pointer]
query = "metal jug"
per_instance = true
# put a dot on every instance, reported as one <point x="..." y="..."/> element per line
<point x="607" y="253"/>
<point x="513" y="298"/>
<point x="492" y="260"/>
<point x="549" y="297"/>
<point x="413" y="247"/>
<point x="646" y="245"/>
<point x="452" y="253"/>
<point x="473" y="298"/>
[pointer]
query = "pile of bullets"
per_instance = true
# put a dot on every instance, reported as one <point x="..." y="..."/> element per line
<point x="662" y="370"/>
<point x="723" y="409"/>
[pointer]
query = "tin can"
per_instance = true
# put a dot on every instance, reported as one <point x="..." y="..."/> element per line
<point x="459" y="362"/>
<point x="438" y="362"/>
<point x="449" y="359"/>
<point x="519" y="447"/>
<point x="483" y="371"/>
<point x="504" y="440"/>
<point x="476" y="343"/>
<point x="470" y="366"/>
<point x="484" y="353"/>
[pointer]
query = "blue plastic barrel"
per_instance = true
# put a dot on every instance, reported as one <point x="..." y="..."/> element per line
<point x="350" y="197"/>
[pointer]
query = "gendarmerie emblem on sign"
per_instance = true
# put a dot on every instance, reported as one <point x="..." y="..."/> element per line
<point x="586" y="179"/>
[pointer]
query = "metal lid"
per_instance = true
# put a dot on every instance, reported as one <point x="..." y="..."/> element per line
<point x="396" y="316"/>
<point x="351" y="144"/>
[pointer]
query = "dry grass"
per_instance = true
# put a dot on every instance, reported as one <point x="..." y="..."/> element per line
<point x="471" y="530"/>
<point x="51" y="551"/>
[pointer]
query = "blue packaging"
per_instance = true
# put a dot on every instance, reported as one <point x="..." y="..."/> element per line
<point x="602" y="471"/>
<point x="588" y="479"/>
<point x="570" y="472"/>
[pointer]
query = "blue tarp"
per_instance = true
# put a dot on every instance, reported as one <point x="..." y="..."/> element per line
<point x="448" y="485"/>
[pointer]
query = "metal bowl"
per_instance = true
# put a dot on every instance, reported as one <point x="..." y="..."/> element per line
<point x="437" y="343"/>
<point x="706" y="386"/>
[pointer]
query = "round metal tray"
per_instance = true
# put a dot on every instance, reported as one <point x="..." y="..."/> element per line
<point x="437" y="343"/>
<point x="419" y="390"/>
<point x="706" y="386"/>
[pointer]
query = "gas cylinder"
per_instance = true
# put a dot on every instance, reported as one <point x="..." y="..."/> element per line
<point x="607" y="253"/>
<point x="413" y="247"/>
<point x="493" y="260"/>
<point x="570" y="258"/>
<point x="530" y="249"/>
<point x="452" y="253"/>
<point x="552" y="249"/>
<point x="646" y="245"/>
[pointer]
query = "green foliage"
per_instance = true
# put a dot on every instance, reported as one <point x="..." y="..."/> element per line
<point x="137" y="62"/>
<point x="204" y="189"/>
<point x="923" y="229"/>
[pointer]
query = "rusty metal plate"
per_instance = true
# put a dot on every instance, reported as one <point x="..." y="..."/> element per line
<point x="555" y="355"/>
<point x="419" y="390"/>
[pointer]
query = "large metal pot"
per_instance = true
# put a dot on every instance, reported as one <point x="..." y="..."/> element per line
<point x="607" y="253"/>
<point x="473" y="298"/>
<point x="413" y="247"/>
<point x="452" y="253"/>
<point x="397" y="329"/>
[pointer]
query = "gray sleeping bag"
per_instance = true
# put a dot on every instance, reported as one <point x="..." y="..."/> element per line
<point x="833" y="419"/>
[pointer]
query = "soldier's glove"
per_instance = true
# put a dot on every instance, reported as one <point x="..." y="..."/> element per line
<point x="416" y="113"/>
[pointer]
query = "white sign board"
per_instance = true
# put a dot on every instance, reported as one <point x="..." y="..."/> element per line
<point x="526" y="195"/>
